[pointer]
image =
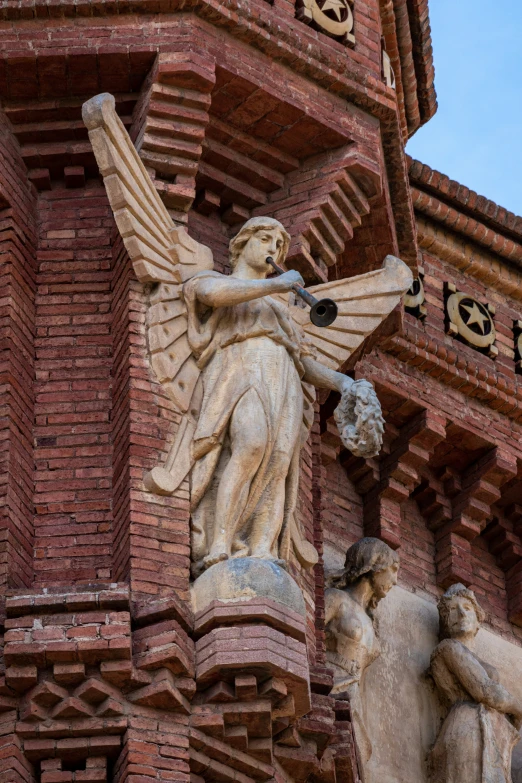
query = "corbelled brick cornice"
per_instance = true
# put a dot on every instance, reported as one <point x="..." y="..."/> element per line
<point x="466" y="201"/>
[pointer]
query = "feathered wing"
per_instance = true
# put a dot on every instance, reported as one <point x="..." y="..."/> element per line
<point x="160" y="253"/>
<point x="363" y="301"/>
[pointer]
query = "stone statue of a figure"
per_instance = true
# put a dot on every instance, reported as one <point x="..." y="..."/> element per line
<point x="352" y="643"/>
<point x="240" y="361"/>
<point x="254" y="361"/>
<point x="481" y="729"/>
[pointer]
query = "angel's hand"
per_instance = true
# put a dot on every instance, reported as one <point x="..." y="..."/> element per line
<point x="346" y="385"/>
<point x="288" y="280"/>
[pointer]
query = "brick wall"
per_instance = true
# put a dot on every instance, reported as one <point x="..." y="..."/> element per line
<point x="17" y="329"/>
<point x="83" y="417"/>
<point x="73" y="387"/>
<point x="341" y="512"/>
<point x="476" y="397"/>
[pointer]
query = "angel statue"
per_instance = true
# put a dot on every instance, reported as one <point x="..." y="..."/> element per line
<point x="240" y="359"/>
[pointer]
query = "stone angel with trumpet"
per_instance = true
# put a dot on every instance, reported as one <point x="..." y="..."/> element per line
<point x="240" y="360"/>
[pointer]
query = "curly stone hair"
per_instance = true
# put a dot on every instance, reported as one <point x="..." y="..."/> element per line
<point x="359" y="420"/>
<point x="365" y="557"/>
<point x="456" y="591"/>
<point x="250" y="228"/>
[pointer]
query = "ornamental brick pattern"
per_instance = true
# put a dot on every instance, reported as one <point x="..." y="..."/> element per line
<point x="237" y="109"/>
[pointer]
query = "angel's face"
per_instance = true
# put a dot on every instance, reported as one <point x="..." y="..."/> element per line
<point x="266" y="242"/>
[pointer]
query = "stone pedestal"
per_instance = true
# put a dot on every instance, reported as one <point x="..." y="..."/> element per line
<point x="244" y="579"/>
<point x="249" y="615"/>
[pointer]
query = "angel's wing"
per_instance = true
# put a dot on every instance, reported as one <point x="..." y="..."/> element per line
<point x="160" y="252"/>
<point x="363" y="301"/>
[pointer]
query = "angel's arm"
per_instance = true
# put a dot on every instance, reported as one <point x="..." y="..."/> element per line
<point x="323" y="378"/>
<point x="228" y="291"/>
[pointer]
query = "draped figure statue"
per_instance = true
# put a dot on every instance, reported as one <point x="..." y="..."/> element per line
<point x="483" y="721"/>
<point x="240" y="360"/>
<point x="352" y="643"/>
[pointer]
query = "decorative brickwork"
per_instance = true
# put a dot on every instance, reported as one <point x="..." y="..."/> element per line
<point x="236" y="109"/>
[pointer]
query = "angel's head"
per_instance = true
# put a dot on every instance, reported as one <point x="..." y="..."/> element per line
<point x="258" y="238"/>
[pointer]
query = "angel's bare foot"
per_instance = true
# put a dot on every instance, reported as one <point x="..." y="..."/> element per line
<point x="214" y="557"/>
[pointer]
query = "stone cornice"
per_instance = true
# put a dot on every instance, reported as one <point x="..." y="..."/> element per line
<point x="412" y="36"/>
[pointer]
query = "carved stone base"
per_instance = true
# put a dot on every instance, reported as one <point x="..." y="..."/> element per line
<point x="250" y="617"/>
<point x="257" y="650"/>
<point x="244" y="579"/>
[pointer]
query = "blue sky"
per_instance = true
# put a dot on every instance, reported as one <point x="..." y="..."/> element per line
<point x="476" y="135"/>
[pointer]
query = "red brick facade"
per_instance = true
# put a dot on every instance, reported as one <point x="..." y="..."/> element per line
<point x="237" y="109"/>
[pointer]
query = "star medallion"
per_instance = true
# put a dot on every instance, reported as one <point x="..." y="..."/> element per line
<point x="476" y="316"/>
<point x="337" y="7"/>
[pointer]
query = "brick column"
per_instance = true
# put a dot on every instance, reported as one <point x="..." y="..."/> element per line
<point x="17" y="326"/>
<point x="150" y="532"/>
<point x="73" y="379"/>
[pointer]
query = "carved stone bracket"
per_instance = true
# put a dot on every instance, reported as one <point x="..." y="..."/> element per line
<point x="253" y="685"/>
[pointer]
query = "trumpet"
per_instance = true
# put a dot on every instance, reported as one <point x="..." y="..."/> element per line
<point x="323" y="312"/>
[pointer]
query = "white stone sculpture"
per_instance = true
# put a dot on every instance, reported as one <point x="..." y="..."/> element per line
<point x="477" y="738"/>
<point x="352" y="643"/>
<point x="239" y="360"/>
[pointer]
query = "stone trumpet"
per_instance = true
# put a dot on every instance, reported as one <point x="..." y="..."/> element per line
<point x="323" y="312"/>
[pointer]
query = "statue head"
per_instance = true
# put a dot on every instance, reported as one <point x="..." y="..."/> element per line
<point x="460" y="614"/>
<point x="258" y="238"/>
<point x="371" y="559"/>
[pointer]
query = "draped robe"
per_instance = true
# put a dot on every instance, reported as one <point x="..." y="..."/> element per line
<point x="476" y="741"/>
<point x="255" y="346"/>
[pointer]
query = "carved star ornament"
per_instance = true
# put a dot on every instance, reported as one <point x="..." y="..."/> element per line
<point x="333" y="16"/>
<point x="471" y="320"/>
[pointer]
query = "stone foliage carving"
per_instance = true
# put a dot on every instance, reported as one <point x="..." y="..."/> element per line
<point x="478" y="735"/>
<point x="239" y="361"/>
<point x="352" y="642"/>
<point x="359" y="420"/>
